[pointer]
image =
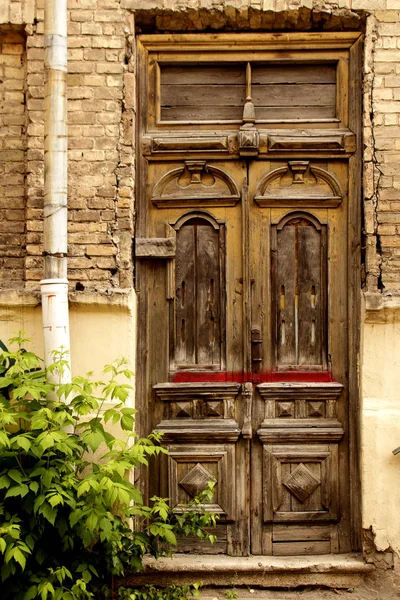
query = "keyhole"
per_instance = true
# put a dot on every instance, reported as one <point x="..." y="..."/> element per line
<point x="183" y="290"/>
<point x="313" y="296"/>
<point x="211" y="291"/>
<point x="282" y="297"/>
<point x="183" y="331"/>
<point x="313" y="331"/>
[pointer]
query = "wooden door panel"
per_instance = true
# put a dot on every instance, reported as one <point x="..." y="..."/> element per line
<point x="301" y="450"/>
<point x="196" y="400"/>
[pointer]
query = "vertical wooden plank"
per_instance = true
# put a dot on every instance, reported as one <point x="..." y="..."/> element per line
<point x="143" y="417"/>
<point x="185" y="303"/>
<point x="222" y="292"/>
<point x="285" y="292"/>
<point x="208" y="311"/>
<point x="342" y="91"/>
<point x="338" y="335"/>
<point x="309" y="282"/>
<point x="354" y="285"/>
<point x="260" y="301"/>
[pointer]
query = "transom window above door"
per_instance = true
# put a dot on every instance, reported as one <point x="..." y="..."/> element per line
<point x="258" y="96"/>
<point x="205" y="92"/>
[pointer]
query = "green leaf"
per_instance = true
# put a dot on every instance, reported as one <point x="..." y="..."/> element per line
<point x="91" y="522"/>
<point x="4" y="441"/>
<point x="55" y="500"/>
<point x="17" y="490"/>
<point x="4" y="482"/>
<point x="31" y="593"/>
<point x="170" y="537"/>
<point x="22" y="442"/>
<point x="48" y="512"/>
<point x="15" y="475"/>
<point x="34" y="486"/>
<point x="5" y="382"/>
<point x="19" y="557"/>
<point x="93" y="439"/>
<point x="3" y="545"/>
<point x="127" y="422"/>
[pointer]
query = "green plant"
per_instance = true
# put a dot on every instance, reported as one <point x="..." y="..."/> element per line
<point x="231" y="594"/>
<point x="150" y="592"/>
<point x="67" y="503"/>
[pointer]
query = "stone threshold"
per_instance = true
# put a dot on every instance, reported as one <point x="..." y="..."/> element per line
<point x="333" y="570"/>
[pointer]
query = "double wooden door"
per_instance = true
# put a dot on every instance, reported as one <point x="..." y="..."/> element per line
<point x="247" y="266"/>
<point x="242" y="358"/>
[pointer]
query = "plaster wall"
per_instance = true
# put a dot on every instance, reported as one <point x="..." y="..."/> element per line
<point x="380" y="429"/>
<point x="101" y="331"/>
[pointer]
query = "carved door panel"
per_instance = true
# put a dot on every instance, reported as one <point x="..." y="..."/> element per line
<point x="246" y="273"/>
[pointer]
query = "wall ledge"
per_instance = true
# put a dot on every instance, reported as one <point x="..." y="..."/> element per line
<point x="381" y="308"/>
<point x="13" y="298"/>
<point x="122" y="298"/>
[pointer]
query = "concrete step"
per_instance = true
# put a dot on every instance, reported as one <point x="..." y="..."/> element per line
<point x="333" y="570"/>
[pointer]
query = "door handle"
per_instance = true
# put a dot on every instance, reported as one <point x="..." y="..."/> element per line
<point x="256" y="351"/>
<point x="247" y="395"/>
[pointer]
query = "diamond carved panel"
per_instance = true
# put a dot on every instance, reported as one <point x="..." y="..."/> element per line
<point x="196" y="480"/>
<point x="301" y="482"/>
<point x="192" y="466"/>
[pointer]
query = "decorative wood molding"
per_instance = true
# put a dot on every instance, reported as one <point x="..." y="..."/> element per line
<point x="252" y="41"/>
<point x="299" y="184"/>
<point x="301" y="405"/>
<point x="187" y="143"/>
<point x="302" y="391"/>
<point x="195" y="184"/>
<point x="198" y="401"/>
<point x="295" y="433"/>
<point x="155" y="247"/>
<point x="249" y="141"/>
<point x="199" y="430"/>
<point x="303" y="143"/>
<point x="176" y="392"/>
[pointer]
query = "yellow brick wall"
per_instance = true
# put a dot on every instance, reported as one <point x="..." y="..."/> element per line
<point x="101" y="121"/>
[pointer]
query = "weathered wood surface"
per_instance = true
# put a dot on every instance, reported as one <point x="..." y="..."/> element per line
<point x="250" y="275"/>
<point x="155" y="247"/>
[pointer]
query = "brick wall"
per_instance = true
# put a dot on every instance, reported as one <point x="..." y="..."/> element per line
<point x="101" y="123"/>
<point x="100" y="158"/>
<point x="12" y="158"/>
<point x="386" y="128"/>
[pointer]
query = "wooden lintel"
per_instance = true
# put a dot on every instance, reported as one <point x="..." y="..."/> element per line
<point x="155" y="247"/>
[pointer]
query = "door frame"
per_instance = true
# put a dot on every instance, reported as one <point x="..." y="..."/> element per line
<point x="292" y="41"/>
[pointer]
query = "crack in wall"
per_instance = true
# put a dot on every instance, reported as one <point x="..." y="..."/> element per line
<point x="372" y="172"/>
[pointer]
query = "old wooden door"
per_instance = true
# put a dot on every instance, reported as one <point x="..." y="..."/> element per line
<point x="246" y="253"/>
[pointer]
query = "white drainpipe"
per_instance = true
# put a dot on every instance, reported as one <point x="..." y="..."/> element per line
<point x="54" y="286"/>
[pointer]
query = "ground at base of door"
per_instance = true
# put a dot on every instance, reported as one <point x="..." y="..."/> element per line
<point x="380" y="585"/>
